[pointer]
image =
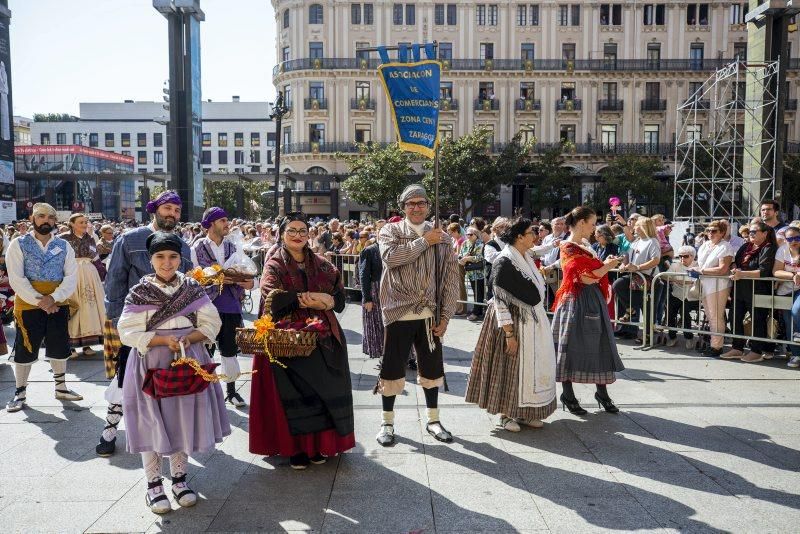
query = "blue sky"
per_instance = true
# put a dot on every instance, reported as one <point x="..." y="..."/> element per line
<point x="64" y="52"/>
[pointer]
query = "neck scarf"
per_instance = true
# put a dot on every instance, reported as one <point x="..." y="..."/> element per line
<point x="320" y="277"/>
<point x="576" y="261"/>
<point x="752" y="251"/>
<point x="146" y="296"/>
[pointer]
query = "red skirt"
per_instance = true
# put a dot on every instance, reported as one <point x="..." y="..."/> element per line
<point x="269" y="429"/>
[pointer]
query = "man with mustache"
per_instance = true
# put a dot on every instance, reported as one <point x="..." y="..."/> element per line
<point x="129" y="262"/>
<point x="42" y="272"/>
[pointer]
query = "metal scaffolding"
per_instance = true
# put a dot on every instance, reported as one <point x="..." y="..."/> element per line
<point x="712" y="142"/>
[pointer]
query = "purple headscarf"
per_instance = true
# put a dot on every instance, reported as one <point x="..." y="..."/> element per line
<point x="211" y="215"/>
<point x="167" y="197"/>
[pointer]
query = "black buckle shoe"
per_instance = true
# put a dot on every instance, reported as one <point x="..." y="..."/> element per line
<point x="439" y="432"/>
<point x="299" y="461"/>
<point x="606" y="403"/>
<point x="572" y="405"/>
<point x="106" y="448"/>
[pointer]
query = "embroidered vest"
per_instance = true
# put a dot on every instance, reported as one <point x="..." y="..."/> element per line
<point x="229" y="300"/>
<point x="43" y="265"/>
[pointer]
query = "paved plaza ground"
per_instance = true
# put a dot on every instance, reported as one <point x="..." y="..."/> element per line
<point x="700" y="445"/>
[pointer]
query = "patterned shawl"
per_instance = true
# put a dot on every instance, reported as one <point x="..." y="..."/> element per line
<point x="282" y="272"/>
<point x="146" y="296"/>
<point x="577" y="261"/>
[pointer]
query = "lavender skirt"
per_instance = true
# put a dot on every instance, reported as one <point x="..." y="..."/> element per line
<point x="372" y="343"/>
<point x="189" y="423"/>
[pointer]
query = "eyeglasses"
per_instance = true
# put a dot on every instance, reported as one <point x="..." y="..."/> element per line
<point x="795" y="239"/>
<point x="681" y="256"/>
<point x="414" y="205"/>
<point x="752" y="232"/>
<point x="712" y="230"/>
<point x="472" y="234"/>
<point x="293" y="232"/>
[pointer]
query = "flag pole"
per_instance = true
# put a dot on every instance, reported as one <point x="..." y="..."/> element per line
<point x="438" y="225"/>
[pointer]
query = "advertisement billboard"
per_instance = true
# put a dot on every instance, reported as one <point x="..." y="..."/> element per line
<point x="196" y="112"/>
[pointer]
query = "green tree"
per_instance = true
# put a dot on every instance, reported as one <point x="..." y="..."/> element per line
<point x="378" y="174"/>
<point x="635" y="175"/>
<point x="552" y="185"/>
<point x="225" y="194"/>
<point x="466" y="171"/>
<point x="54" y="117"/>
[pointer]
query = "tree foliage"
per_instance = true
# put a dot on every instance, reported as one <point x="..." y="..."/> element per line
<point x="634" y="175"/>
<point x="225" y="194"/>
<point x="552" y="186"/>
<point x="467" y="169"/>
<point x="378" y="174"/>
<point x="54" y="117"/>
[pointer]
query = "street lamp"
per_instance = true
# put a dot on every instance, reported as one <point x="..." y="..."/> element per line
<point x="279" y="109"/>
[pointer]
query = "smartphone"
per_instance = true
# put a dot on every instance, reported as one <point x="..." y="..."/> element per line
<point x="694" y="274"/>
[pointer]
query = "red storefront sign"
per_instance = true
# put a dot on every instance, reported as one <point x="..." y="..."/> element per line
<point x="58" y="150"/>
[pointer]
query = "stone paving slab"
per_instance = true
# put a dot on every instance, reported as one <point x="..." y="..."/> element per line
<point x="701" y="445"/>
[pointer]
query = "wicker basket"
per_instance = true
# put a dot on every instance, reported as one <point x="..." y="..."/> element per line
<point x="281" y="343"/>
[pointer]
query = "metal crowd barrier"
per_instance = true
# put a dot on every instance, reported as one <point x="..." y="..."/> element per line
<point x="771" y="302"/>
<point x="348" y="266"/>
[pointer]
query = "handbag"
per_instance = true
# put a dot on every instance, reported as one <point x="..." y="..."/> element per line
<point x="177" y="379"/>
<point x="473" y="265"/>
<point x="695" y="291"/>
<point x="641" y="282"/>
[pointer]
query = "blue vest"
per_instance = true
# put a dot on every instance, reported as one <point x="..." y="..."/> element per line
<point x="43" y="265"/>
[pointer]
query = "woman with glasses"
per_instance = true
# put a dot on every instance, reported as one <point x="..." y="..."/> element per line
<point x="643" y="258"/>
<point x="787" y="267"/>
<point x="681" y="302"/>
<point x="753" y="260"/>
<point x="714" y="258"/>
<point x="303" y="409"/>
<point x="471" y="258"/>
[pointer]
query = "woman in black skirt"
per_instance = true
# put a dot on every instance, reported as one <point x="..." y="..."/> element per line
<point x="585" y="348"/>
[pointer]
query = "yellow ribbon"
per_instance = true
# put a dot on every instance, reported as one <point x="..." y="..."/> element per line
<point x="202" y="373"/>
<point x="264" y="327"/>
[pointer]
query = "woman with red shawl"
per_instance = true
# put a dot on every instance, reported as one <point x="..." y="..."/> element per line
<point x="585" y="348"/>
<point x="303" y="409"/>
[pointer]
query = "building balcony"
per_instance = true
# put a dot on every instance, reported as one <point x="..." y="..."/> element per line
<point x="528" y="104"/>
<point x="448" y="104"/>
<point x="574" y="104"/>
<point x="362" y="104"/>
<point x="486" y="104"/>
<point x="653" y="104"/>
<point x="610" y="105"/>
<point x="322" y="147"/>
<point x="523" y="65"/>
<point x="315" y="104"/>
<point x="791" y="104"/>
<point x="600" y="149"/>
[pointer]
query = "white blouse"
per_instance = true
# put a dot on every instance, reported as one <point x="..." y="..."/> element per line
<point x="132" y="326"/>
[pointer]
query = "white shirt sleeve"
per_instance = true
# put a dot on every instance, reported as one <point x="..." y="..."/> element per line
<point x="208" y="321"/>
<point x="16" y="274"/>
<point x="503" y="315"/>
<point x="194" y="257"/>
<point x="132" y="328"/>
<point x="70" y="281"/>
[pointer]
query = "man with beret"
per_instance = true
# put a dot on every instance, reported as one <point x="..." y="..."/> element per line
<point x="129" y="262"/>
<point x="214" y="249"/>
<point x="408" y="295"/>
<point x="42" y="271"/>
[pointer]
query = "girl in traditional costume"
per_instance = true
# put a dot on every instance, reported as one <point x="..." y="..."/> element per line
<point x="585" y="347"/>
<point x="165" y="315"/>
<point x="303" y="407"/>
<point x="86" y="324"/>
<point x="514" y="367"/>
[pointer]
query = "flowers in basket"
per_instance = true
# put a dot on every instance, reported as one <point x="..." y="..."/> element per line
<point x="314" y="324"/>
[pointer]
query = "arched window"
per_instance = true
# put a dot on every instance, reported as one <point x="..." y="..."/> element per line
<point x="316" y="170"/>
<point x="315" y="14"/>
<point x="286" y="19"/>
